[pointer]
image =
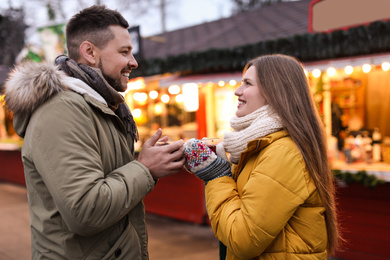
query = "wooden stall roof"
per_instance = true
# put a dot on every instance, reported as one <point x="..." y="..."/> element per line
<point x="268" y="23"/>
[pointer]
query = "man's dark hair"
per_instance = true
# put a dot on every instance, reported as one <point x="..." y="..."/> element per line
<point x="92" y="24"/>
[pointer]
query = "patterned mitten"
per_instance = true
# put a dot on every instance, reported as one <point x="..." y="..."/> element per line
<point x="203" y="162"/>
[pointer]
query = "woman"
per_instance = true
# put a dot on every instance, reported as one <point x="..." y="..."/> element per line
<point x="279" y="202"/>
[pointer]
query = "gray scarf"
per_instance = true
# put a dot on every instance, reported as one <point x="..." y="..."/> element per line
<point x="93" y="77"/>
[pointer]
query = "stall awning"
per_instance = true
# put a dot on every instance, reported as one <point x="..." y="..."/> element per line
<point x="356" y="61"/>
<point x="201" y="78"/>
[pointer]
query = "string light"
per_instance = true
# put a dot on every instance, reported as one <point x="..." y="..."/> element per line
<point x="165" y="98"/>
<point x="221" y="83"/>
<point x="140" y="96"/>
<point x="179" y="98"/>
<point x="232" y="82"/>
<point x="331" y="72"/>
<point x="137" y="113"/>
<point x="153" y="94"/>
<point x="366" y="68"/>
<point x="348" y="70"/>
<point x="174" y="89"/>
<point x="316" y="73"/>
<point x="385" y="66"/>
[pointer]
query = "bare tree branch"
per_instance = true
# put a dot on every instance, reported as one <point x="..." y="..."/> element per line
<point x="246" y="5"/>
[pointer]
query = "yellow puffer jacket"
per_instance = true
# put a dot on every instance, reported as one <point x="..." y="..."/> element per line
<point x="271" y="208"/>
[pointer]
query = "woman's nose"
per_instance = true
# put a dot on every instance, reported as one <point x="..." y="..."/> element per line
<point x="238" y="91"/>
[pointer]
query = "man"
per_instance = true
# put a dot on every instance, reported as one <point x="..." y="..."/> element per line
<point x="85" y="189"/>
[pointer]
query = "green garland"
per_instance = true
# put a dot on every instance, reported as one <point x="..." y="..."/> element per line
<point x="361" y="40"/>
<point x="361" y="177"/>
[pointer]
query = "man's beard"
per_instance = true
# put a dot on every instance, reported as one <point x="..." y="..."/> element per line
<point x="115" y="83"/>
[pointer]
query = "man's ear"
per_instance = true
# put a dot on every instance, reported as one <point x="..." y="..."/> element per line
<point x="88" y="53"/>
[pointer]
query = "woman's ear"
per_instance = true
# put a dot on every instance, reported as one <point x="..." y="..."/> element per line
<point x="88" y="53"/>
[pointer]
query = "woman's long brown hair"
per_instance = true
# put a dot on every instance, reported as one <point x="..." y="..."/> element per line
<point x="284" y="85"/>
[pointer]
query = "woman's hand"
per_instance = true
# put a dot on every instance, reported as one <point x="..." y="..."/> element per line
<point x="203" y="162"/>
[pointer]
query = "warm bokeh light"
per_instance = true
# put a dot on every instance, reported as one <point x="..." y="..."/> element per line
<point x="366" y="68"/>
<point x="221" y="83"/>
<point x="157" y="109"/>
<point x="153" y="94"/>
<point x="331" y="72"/>
<point x="139" y="117"/>
<point x="232" y="82"/>
<point x="348" y="70"/>
<point x="316" y="73"/>
<point x="179" y="98"/>
<point x="191" y="97"/>
<point x="385" y="66"/>
<point x="165" y="98"/>
<point x="138" y="83"/>
<point x="140" y="96"/>
<point x="137" y="113"/>
<point x="174" y="89"/>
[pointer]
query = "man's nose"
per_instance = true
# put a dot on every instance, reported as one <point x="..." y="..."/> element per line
<point x="133" y="62"/>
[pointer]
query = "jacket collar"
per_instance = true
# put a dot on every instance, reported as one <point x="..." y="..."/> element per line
<point x="255" y="146"/>
<point x="259" y="144"/>
<point x="89" y="94"/>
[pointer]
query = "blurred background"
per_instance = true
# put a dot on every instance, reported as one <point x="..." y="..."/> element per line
<point x="191" y="55"/>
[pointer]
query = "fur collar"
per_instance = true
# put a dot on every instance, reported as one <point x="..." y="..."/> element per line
<point x="30" y="84"/>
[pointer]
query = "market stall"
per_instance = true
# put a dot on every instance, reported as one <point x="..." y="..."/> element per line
<point x="11" y="167"/>
<point x="364" y="218"/>
<point x="359" y="150"/>
<point x="183" y="106"/>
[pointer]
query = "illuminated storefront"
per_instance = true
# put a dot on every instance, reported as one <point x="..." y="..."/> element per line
<point x="359" y="88"/>
<point x="184" y="107"/>
<point x="202" y="105"/>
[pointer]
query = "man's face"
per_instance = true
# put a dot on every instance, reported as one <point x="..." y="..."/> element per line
<point x="116" y="60"/>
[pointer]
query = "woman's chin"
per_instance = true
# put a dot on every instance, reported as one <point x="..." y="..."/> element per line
<point x="239" y="114"/>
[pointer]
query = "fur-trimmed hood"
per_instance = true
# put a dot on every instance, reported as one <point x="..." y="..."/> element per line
<point x="30" y="84"/>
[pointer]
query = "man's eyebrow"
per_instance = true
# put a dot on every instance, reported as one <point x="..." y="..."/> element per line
<point x="127" y="47"/>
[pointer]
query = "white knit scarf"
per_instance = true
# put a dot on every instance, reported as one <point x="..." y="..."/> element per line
<point x="257" y="124"/>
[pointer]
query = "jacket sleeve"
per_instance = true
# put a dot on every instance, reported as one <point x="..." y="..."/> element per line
<point x="247" y="224"/>
<point x="66" y="153"/>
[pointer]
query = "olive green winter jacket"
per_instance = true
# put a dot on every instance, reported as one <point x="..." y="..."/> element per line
<point x="85" y="190"/>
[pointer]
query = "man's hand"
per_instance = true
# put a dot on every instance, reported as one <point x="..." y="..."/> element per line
<point x="162" y="160"/>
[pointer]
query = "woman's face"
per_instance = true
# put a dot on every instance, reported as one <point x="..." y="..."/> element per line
<point x="249" y="96"/>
